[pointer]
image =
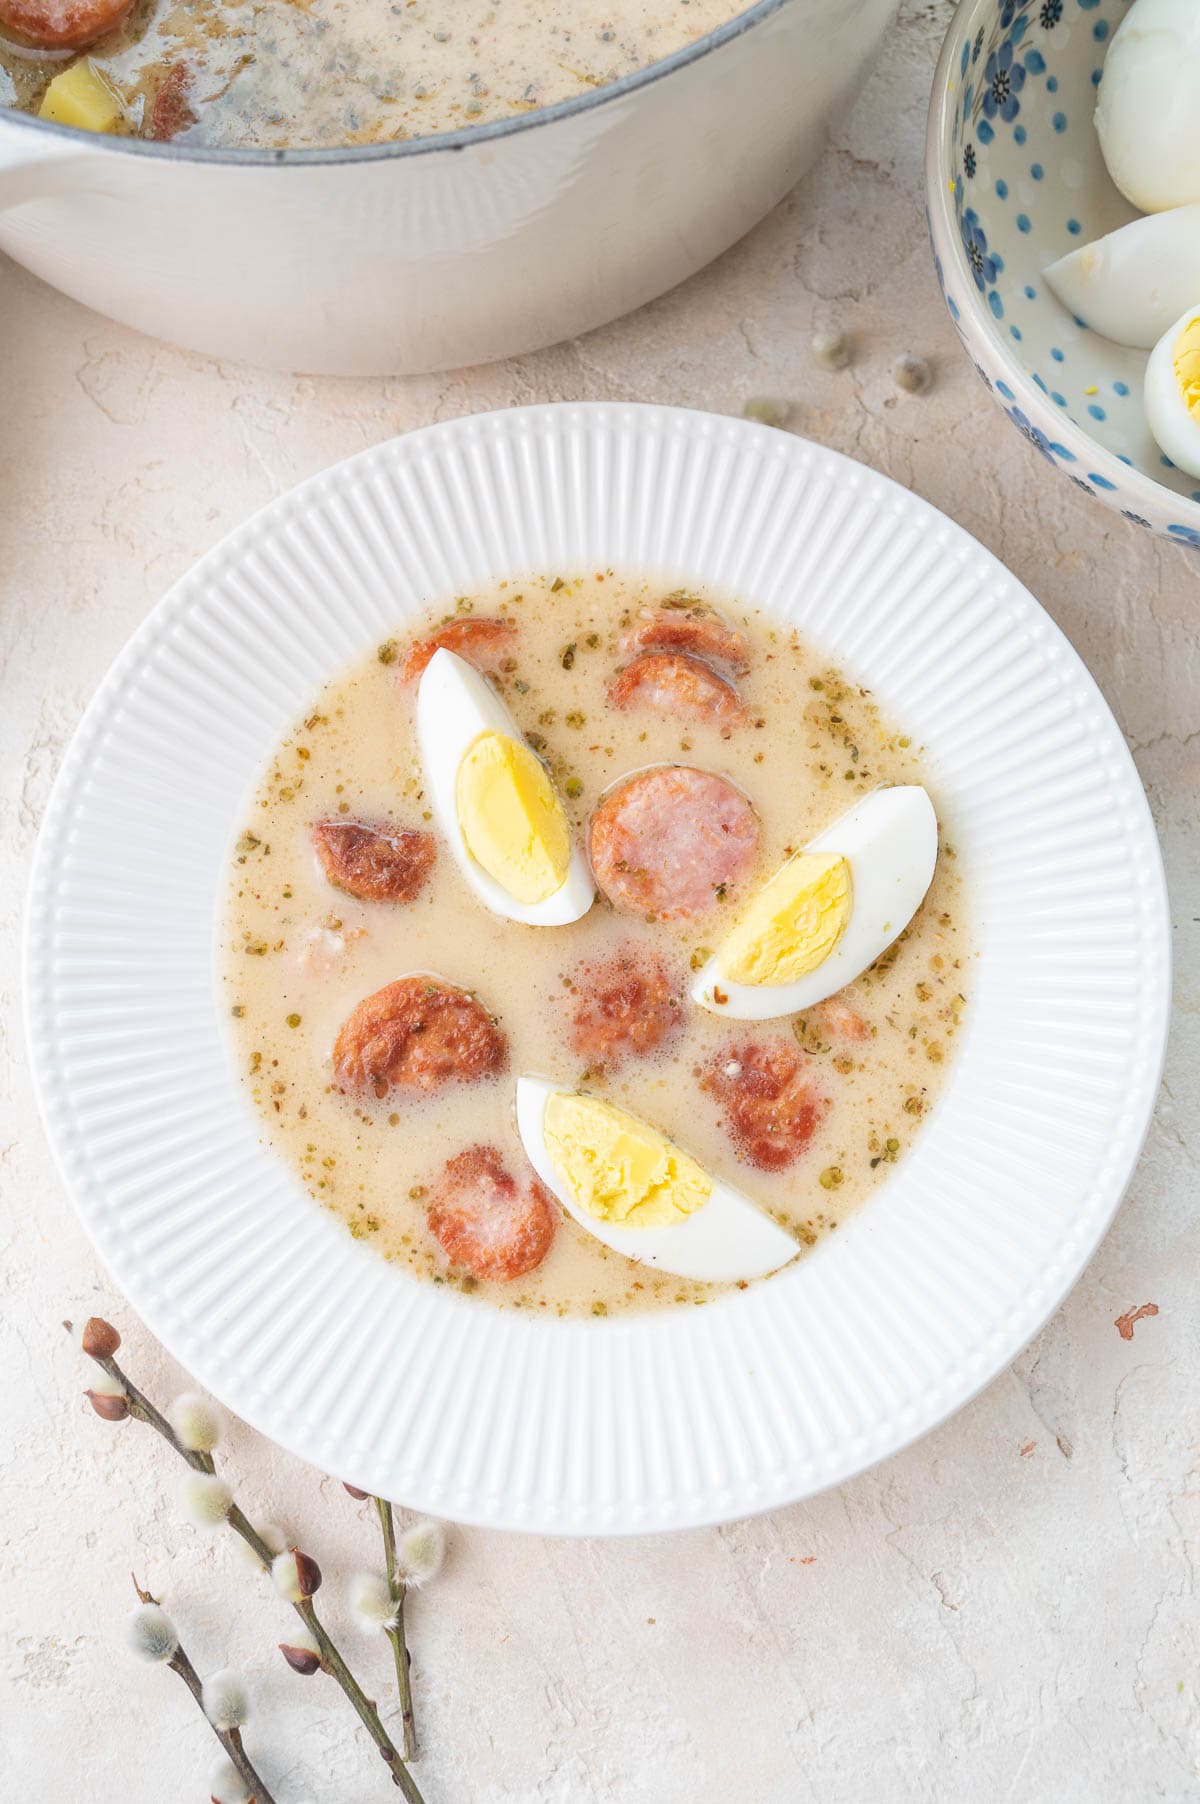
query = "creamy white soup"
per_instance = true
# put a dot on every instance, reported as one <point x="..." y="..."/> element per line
<point x="609" y="678"/>
<point x="308" y="73"/>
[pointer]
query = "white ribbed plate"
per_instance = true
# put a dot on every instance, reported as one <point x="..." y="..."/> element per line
<point x="664" y="1421"/>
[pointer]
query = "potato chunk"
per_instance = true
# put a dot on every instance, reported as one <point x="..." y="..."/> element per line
<point x="80" y="96"/>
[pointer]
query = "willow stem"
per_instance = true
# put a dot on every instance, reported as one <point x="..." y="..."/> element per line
<point x="362" y="1704"/>
<point x="395" y="1634"/>
<point x="334" y="1664"/>
<point x="142" y="1408"/>
<point x="230" y="1739"/>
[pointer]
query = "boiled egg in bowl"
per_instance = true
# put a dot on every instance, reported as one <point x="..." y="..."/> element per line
<point x="828" y="912"/>
<point x="1146" y="107"/>
<point x="495" y="802"/>
<point x="1130" y="285"/>
<point x="1172" y="392"/>
<point x="636" y="1191"/>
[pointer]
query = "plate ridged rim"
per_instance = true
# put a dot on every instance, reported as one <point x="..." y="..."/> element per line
<point x="629" y="1424"/>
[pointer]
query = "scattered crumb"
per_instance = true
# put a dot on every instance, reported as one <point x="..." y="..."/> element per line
<point x="832" y="350"/>
<point x="1027" y="1449"/>
<point x="913" y="375"/>
<point x="1124" y="1323"/>
<point x="768" y="411"/>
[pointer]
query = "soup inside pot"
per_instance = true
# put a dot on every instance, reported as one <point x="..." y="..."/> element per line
<point x="305" y="74"/>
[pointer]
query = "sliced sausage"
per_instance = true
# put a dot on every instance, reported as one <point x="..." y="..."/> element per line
<point x="696" y="630"/>
<point x="170" y="112"/>
<point x="626" y="1006"/>
<point x="672" y="841"/>
<point x="417" y="1034"/>
<point x="486" y="1222"/>
<point x="482" y="643"/>
<point x="61" y="24"/>
<point x="771" y="1106"/>
<point x="674" y="683"/>
<point x="838" y="1021"/>
<point x="376" y="864"/>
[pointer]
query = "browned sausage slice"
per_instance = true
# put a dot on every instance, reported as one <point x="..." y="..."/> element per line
<point x="483" y="643"/>
<point x="170" y="112"/>
<point x="674" y="683"/>
<point x="839" y="1021"/>
<point x="696" y="630"/>
<point x="420" y="1034"/>
<point x="485" y="1222"/>
<point x="672" y="841"/>
<point x="376" y="864"/>
<point x="771" y="1106"/>
<point x="626" y="1006"/>
<point x="61" y="24"/>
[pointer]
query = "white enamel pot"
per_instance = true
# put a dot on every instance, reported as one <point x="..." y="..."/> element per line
<point x="435" y="252"/>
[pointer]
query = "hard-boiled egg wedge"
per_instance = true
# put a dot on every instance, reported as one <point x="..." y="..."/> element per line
<point x="1146" y="109"/>
<point x="1132" y="284"/>
<point x="633" y="1189"/>
<point x="828" y="913"/>
<point x="493" y="799"/>
<point x="1172" y="392"/>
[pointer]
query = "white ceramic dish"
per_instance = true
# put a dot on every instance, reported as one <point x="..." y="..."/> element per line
<point x="629" y="1424"/>
<point x="417" y="255"/>
<point x="1015" y="180"/>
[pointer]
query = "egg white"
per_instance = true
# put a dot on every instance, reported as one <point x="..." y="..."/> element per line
<point x="1130" y="285"/>
<point x="1146" y="109"/>
<point x="728" y="1238"/>
<point x="455" y="704"/>
<point x="890" y="841"/>
<point x="1173" y="428"/>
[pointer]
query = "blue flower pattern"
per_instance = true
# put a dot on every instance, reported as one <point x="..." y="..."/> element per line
<point x="1042" y="442"/>
<point x="983" y="104"/>
<point x="983" y="265"/>
<point x="1003" y="78"/>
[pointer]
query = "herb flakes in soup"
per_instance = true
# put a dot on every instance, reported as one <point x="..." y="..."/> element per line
<point x="380" y="1012"/>
<point x="305" y="74"/>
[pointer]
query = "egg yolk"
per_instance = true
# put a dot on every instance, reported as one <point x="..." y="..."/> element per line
<point x="1187" y="366"/>
<point x="793" y="923"/>
<point x="619" y="1169"/>
<point x="511" y="819"/>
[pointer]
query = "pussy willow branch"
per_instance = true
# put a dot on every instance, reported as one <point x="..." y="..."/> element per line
<point x="141" y="1407"/>
<point x="332" y="1660"/>
<point x="395" y="1634"/>
<point x="230" y="1739"/>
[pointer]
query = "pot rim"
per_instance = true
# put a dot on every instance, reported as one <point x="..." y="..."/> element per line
<point x="461" y="139"/>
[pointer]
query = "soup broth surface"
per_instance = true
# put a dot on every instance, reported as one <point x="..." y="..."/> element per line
<point x="311" y="73"/>
<point x="297" y="955"/>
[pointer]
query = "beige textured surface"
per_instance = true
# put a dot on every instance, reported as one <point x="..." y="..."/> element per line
<point x="1007" y="1611"/>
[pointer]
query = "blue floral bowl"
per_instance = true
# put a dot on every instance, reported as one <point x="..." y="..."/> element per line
<point x="1014" y="179"/>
